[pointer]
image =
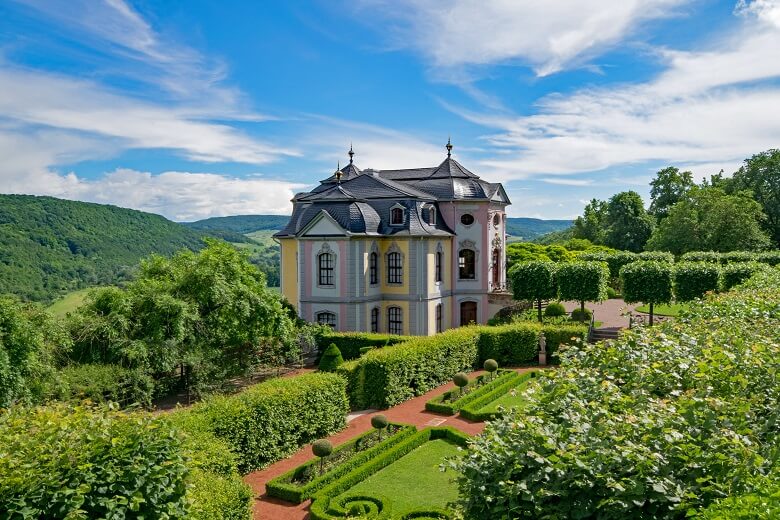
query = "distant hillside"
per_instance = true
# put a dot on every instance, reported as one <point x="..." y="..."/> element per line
<point x="529" y="228"/>
<point x="51" y="246"/>
<point x="519" y="228"/>
<point x="241" y="223"/>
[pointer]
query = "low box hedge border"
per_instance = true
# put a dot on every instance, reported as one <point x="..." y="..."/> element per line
<point x="282" y="487"/>
<point x="324" y="507"/>
<point x="472" y="410"/>
<point x="451" y="408"/>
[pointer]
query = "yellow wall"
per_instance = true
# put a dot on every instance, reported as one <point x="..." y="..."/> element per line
<point x="404" y="305"/>
<point x="289" y="262"/>
<point x="430" y="264"/>
<point x="403" y="247"/>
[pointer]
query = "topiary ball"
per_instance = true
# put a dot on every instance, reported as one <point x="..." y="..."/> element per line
<point x="331" y="359"/>
<point x="491" y="365"/>
<point x="322" y="448"/>
<point x="555" y="309"/>
<point x="460" y="379"/>
<point x="379" y="421"/>
<point x="578" y="315"/>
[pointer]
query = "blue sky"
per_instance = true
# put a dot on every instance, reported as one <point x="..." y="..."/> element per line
<point x="202" y="108"/>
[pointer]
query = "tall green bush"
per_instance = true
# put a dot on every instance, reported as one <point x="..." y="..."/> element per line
<point x="648" y="282"/>
<point x="101" y="384"/>
<point x="331" y="359"/>
<point x="270" y="420"/>
<point x="583" y="282"/>
<point x="534" y="281"/>
<point x="65" y="461"/>
<point x="735" y="273"/>
<point x="351" y="343"/>
<point x="693" y="279"/>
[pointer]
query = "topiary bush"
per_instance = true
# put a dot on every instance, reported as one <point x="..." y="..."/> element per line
<point x="555" y="309"/>
<point x="331" y="359"/>
<point x="534" y="282"/>
<point x="490" y="366"/>
<point x="656" y="256"/>
<point x="461" y="380"/>
<point x="693" y="279"/>
<point x="583" y="282"/>
<point x="66" y="461"/>
<point x="518" y="344"/>
<point x="379" y="422"/>
<point x="351" y="343"/>
<point x="648" y="282"/>
<point x="736" y="273"/>
<point x="701" y="256"/>
<point x="581" y="315"/>
<point x="322" y="448"/>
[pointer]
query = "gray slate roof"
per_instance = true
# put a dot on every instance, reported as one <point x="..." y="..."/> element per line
<point x="361" y="201"/>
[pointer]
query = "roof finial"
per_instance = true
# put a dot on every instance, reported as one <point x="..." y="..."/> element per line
<point x="449" y="146"/>
<point x="338" y="173"/>
<point x="351" y="153"/>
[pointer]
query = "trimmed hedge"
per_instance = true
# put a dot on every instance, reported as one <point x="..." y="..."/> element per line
<point x="736" y="273"/>
<point x="472" y="410"/>
<point x="385" y="377"/>
<point x="331" y="359"/>
<point x="614" y="260"/>
<point x="350" y="343"/>
<point x="451" y="408"/>
<point x="325" y="507"/>
<point x="518" y="343"/>
<point x="269" y="421"/>
<point x="282" y="486"/>
<point x="693" y="279"/>
<point x="65" y="461"/>
<point x="656" y="256"/>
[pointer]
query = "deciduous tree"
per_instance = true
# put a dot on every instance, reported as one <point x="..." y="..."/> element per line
<point x="647" y="282"/>
<point x="583" y="282"/>
<point x="534" y="281"/>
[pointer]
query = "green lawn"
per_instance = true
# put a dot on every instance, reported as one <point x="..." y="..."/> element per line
<point x="664" y="310"/>
<point x="68" y="303"/>
<point x="507" y="400"/>
<point x="414" y="481"/>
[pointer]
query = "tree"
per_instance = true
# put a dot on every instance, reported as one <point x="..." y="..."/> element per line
<point x="534" y="281"/>
<point x="647" y="282"/>
<point x="583" y="281"/>
<point x="592" y="224"/>
<point x="628" y="224"/>
<point x="761" y="175"/>
<point x="669" y="187"/>
<point x="711" y="220"/>
<point x="693" y="279"/>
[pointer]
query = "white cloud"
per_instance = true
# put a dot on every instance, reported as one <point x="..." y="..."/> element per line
<point x="548" y="35"/>
<point x="714" y="106"/>
<point x="567" y="182"/>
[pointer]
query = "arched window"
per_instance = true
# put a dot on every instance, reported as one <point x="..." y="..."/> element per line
<point x="396" y="216"/>
<point x="395" y="270"/>
<point x="467" y="260"/>
<point x="432" y="216"/>
<point x="327" y="318"/>
<point x="375" y="319"/>
<point x="325" y="268"/>
<point x="497" y="220"/>
<point x="373" y="268"/>
<point x="395" y="324"/>
<point x="438" y="317"/>
<point x="437" y="267"/>
<point x="496" y="267"/>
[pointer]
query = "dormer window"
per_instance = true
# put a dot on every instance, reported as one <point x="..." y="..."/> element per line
<point x="432" y="216"/>
<point x="397" y="216"/>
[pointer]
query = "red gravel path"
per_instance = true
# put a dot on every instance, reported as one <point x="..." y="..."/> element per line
<point x="409" y="412"/>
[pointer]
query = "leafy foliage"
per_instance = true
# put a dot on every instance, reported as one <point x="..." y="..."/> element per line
<point x="100" y="384"/>
<point x="583" y="281"/>
<point x="554" y="309"/>
<point x="351" y="343"/>
<point x="534" y="281"/>
<point x="331" y="359"/>
<point x="628" y="224"/>
<point x="693" y="279"/>
<point x="736" y="273"/>
<point x="669" y="187"/>
<point x="647" y="282"/>
<point x="72" y="462"/>
<point x="660" y="423"/>
<point x="760" y="175"/>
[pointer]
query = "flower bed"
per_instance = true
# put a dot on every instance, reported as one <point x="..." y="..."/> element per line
<point x="453" y="400"/>
<point x="301" y="483"/>
<point x="336" y="501"/>
<point x="481" y="410"/>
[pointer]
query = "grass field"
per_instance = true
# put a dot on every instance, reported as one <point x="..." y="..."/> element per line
<point x="68" y="303"/>
<point x="508" y="400"/>
<point x="664" y="310"/>
<point x="414" y="481"/>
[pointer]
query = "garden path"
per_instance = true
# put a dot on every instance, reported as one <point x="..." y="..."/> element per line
<point x="608" y="312"/>
<point x="409" y="412"/>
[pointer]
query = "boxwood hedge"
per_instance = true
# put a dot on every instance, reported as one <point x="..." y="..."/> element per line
<point x="693" y="279"/>
<point x="473" y="410"/>
<point x="517" y="344"/>
<point x="325" y="507"/>
<point x="350" y="343"/>
<point x="483" y="385"/>
<point x="283" y="487"/>
<point x="269" y="421"/>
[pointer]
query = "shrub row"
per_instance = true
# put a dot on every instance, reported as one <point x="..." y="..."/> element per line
<point x="438" y="405"/>
<point x="273" y="419"/>
<point x="350" y="343"/>
<point x="100" y="384"/>
<point x="764" y="257"/>
<point x="518" y="343"/>
<point x="324" y="507"/>
<point x="473" y="412"/>
<point x="283" y="487"/>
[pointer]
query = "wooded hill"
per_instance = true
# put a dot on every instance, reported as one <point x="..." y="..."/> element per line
<point x="51" y="246"/>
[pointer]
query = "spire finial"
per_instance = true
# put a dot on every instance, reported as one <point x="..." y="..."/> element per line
<point x="449" y="146"/>
<point x="338" y="173"/>
<point x="350" y="153"/>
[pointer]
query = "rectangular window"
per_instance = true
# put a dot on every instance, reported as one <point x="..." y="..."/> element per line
<point x="327" y="318"/>
<point x="437" y="266"/>
<point x="373" y="260"/>
<point x="438" y="318"/>
<point x="394" y="321"/>
<point x="326" y="269"/>
<point x="395" y="272"/>
<point x="375" y="319"/>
